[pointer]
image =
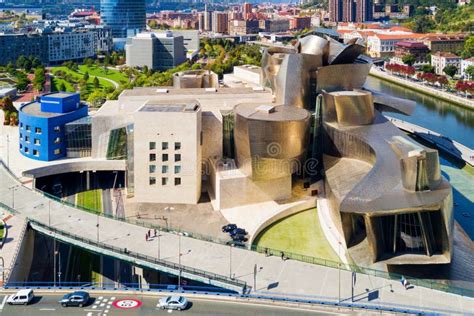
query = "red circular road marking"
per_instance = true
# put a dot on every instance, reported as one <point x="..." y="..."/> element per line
<point x="127" y="303"/>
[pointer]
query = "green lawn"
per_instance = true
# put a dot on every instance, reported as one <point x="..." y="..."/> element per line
<point x="55" y="84"/>
<point x="111" y="74"/>
<point x="78" y="76"/>
<point x="300" y="233"/>
<point x="90" y="199"/>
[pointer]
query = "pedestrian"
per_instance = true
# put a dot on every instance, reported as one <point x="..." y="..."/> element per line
<point x="146" y="237"/>
<point x="266" y="252"/>
<point x="282" y="256"/>
<point x="155" y="232"/>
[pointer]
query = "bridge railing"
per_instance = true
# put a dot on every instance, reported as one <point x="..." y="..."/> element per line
<point x="153" y="260"/>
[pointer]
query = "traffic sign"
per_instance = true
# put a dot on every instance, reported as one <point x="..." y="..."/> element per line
<point x="127" y="303"/>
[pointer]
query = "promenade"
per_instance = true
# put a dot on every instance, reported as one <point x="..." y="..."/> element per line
<point x="422" y="88"/>
<point x="283" y="277"/>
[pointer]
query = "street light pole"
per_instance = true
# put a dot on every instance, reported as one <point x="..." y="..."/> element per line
<point x="54" y="263"/>
<point x="97" y="225"/>
<point x="179" y="260"/>
<point x="49" y="213"/>
<point x="230" y="261"/>
<point x="159" y="246"/>
<point x="339" y="270"/>
<point x="8" y="151"/>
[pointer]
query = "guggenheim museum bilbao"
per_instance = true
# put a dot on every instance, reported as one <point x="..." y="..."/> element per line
<point x="300" y="122"/>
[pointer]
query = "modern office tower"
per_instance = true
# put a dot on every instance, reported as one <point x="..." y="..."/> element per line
<point x="157" y="51"/>
<point x="126" y="18"/>
<point x="42" y="125"/>
<point x="348" y="10"/>
<point x="364" y="10"/>
<point x="335" y="10"/>
<point x="220" y="22"/>
<point x="71" y="46"/>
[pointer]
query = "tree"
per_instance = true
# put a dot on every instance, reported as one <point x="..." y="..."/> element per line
<point x="40" y="78"/>
<point x="96" y="83"/>
<point x="423" y="24"/>
<point x="11" y="68"/>
<point x="450" y="70"/>
<point x="96" y="98"/>
<point x="470" y="72"/>
<point x="27" y="65"/>
<point x="86" y="76"/>
<point x="20" y="62"/>
<point x="22" y="81"/>
<point x="61" y="86"/>
<point x="468" y="51"/>
<point x="427" y="69"/>
<point x="409" y="59"/>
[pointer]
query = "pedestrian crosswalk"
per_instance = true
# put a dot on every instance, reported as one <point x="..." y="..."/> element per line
<point x="101" y="306"/>
<point x="3" y="301"/>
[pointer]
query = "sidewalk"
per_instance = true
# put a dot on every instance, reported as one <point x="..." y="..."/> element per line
<point x="15" y="226"/>
<point x="273" y="274"/>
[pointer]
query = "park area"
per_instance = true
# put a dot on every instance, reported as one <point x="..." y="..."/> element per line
<point x="300" y="233"/>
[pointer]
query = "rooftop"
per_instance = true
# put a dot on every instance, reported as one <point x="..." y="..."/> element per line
<point x="153" y="91"/>
<point x="261" y="112"/>
<point x="34" y="109"/>
<point x="445" y="55"/>
<point x="170" y="107"/>
<point x="59" y="95"/>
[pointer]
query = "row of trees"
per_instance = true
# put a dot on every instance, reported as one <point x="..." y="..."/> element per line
<point x="431" y="78"/>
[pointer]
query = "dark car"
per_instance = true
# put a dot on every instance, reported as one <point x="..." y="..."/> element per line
<point x="237" y="243"/>
<point x="238" y="231"/>
<point x="239" y="238"/>
<point x="228" y="228"/>
<point x="79" y="298"/>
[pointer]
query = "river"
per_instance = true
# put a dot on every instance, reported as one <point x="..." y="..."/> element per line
<point x="445" y="118"/>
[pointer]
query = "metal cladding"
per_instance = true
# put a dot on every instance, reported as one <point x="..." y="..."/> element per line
<point x="270" y="140"/>
<point x="349" y="108"/>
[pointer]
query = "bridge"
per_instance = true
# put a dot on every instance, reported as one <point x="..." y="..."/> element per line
<point x="215" y="263"/>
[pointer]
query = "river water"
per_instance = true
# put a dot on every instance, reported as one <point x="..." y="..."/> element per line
<point x="445" y="118"/>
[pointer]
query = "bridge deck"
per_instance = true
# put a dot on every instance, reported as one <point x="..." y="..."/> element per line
<point x="274" y="274"/>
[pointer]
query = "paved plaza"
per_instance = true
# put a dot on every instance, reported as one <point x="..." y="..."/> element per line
<point x="274" y="274"/>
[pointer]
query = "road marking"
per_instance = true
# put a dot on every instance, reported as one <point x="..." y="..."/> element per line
<point x="47" y="309"/>
<point x="92" y="310"/>
<point x="89" y="314"/>
<point x="112" y="298"/>
<point x="100" y="297"/>
<point x="95" y="306"/>
<point x="3" y="302"/>
<point x="170" y="311"/>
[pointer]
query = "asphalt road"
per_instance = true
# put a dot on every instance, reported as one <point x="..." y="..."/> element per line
<point x="47" y="305"/>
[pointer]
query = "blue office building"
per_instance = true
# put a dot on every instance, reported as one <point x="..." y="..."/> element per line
<point x="126" y="18"/>
<point x="42" y="124"/>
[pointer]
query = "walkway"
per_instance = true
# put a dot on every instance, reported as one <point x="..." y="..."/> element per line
<point x="16" y="226"/>
<point x="273" y="274"/>
<point x="452" y="147"/>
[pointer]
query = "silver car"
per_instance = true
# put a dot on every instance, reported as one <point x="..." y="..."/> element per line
<point x="173" y="302"/>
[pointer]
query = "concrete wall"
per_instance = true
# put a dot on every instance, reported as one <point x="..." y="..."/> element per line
<point x="21" y="268"/>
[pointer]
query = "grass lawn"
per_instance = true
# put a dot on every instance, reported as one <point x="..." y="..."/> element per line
<point x="300" y="233"/>
<point x="55" y="84"/>
<point x="90" y="199"/>
<point x="78" y="76"/>
<point x="111" y="74"/>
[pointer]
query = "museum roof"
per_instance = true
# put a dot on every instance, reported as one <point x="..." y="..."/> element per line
<point x="270" y="112"/>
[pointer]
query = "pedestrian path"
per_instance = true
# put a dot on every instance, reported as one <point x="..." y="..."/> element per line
<point x="262" y="273"/>
<point x="15" y="229"/>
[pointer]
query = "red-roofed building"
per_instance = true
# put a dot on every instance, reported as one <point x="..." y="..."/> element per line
<point x="383" y="44"/>
<point x="417" y="49"/>
<point x="445" y="42"/>
<point x="439" y="60"/>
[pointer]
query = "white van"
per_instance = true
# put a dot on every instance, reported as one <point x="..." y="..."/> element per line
<point x="21" y="297"/>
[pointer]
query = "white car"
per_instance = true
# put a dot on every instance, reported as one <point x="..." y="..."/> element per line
<point x="173" y="302"/>
<point x="22" y="297"/>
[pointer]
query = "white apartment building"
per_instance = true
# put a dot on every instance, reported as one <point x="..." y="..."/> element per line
<point x="439" y="60"/>
<point x="71" y="46"/>
<point x="381" y="45"/>
<point x="465" y="63"/>
<point x="167" y="152"/>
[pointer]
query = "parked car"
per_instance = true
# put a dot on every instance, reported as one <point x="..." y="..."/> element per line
<point x="228" y="228"/>
<point x="239" y="237"/>
<point x="236" y="243"/>
<point x="173" y="302"/>
<point x="78" y="298"/>
<point x="22" y="297"/>
<point x="238" y="231"/>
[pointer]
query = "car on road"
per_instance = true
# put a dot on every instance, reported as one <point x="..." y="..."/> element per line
<point x="78" y="298"/>
<point x="239" y="238"/>
<point x="22" y="297"/>
<point x="173" y="302"/>
<point x="238" y="231"/>
<point x="236" y="243"/>
<point x="228" y="228"/>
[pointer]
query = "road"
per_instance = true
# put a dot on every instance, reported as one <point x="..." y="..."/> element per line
<point x="47" y="305"/>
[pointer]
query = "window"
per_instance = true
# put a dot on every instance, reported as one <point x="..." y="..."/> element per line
<point x="21" y="136"/>
<point x="152" y="145"/>
<point x="57" y="129"/>
<point x="164" y="181"/>
<point x="177" y="181"/>
<point x="27" y="139"/>
<point x="177" y="146"/>
<point x="21" y="125"/>
<point x="177" y="169"/>
<point x="164" y="145"/>
<point x="28" y="128"/>
<point x="177" y="157"/>
<point x="152" y="180"/>
<point x="152" y="168"/>
<point x="35" y="153"/>
<point x="21" y="146"/>
<point x="37" y="142"/>
<point x="164" y="169"/>
<point x="164" y="157"/>
<point x="57" y="140"/>
<point x="27" y="150"/>
<point x="152" y="157"/>
<point x="57" y="151"/>
<point x="38" y="130"/>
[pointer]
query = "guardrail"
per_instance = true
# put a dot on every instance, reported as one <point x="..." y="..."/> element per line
<point x="431" y="284"/>
<point x="167" y="264"/>
<point x="216" y="292"/>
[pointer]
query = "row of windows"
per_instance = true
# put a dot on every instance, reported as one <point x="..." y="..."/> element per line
<point x="164" y="169"/>
<point x="164" y="181"/>
<point x="38" y="130"/>
<point x="37" y="141"/>
<point x="165" y="146"/>
<point x="36" y="151"/>
<point x="165" y="157"/>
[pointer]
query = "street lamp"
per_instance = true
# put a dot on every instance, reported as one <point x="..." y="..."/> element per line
<point x="49" y="213"/>
<point x="3" y="270"/>
<point x="97" y="225"/>
<point x="169" y="209"/>
<point x="230" y="260"/>
<point x="159" y="246"/>
<point x="13" y="189"/>
<point x="339" y="269"/>
<point x="179" y="260"/>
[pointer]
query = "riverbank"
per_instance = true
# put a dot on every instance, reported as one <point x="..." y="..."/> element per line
<point x="424" y="89"/>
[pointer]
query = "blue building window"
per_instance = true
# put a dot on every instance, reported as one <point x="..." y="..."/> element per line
<point x="37" y="142"/>
<point x="38" y="130"/>
<point x="57" y="151"/>
<point x="27" y="150"/>
<point x="35" y="153"/>
<point x="28" y="128"/>
<point x="27" y="139"/>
